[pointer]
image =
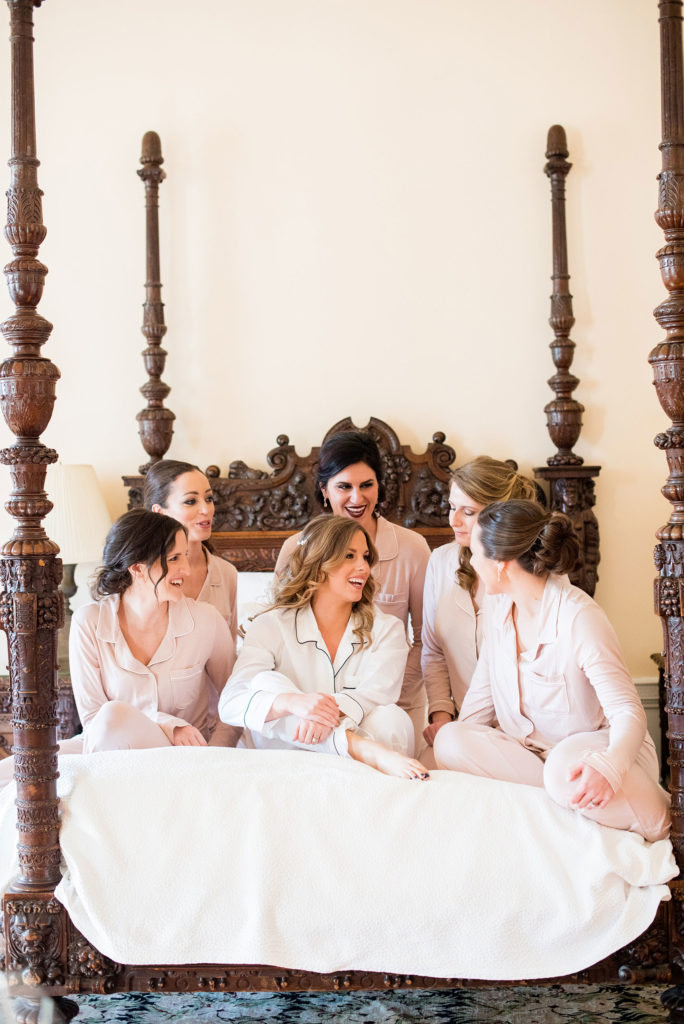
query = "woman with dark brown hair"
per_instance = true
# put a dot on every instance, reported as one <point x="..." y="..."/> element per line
<point x="322" y="668"/>
<point x="551" y="702"/>
<point x="147" y="663"/>
<point x="182" y="491"/>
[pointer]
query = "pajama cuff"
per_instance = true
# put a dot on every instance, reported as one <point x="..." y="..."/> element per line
<point x="604" y="765"/>
<point x="259" y="706"/>
<point x="350" y="707"/>
<point x="442" y="705"/>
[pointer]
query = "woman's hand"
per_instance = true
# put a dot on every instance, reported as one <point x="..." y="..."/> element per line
<point x="188" y="736"/>
<point x="439" y="719"/>
<point x="593" y="791"/>
<point x="319" y="708"/>
<point x="310" y="732"/>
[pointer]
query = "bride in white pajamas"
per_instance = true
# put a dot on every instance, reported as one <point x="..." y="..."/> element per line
<point x="349" y="478"/>
<point x="551" y="702"/>
<point x="322" y="668"/>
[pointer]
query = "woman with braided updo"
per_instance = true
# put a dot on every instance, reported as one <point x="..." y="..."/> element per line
<point x="454" y="596"/>
<point x="147" y="663"/>
<point x="552" y="678"/>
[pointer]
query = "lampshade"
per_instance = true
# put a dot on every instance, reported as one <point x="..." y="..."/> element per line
<point x="79" y="521"/>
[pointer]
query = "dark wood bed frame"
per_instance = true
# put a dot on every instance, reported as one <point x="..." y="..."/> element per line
<point x="43" y="951"/>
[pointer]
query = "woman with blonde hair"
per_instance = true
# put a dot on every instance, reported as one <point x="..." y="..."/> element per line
<point x="322" y="668"/>
<point x="453" y="600"/>
<point x="349" y="480"/>
<point x="551" y="702"/>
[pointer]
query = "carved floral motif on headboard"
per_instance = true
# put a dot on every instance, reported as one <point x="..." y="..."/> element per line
<point x="417" y="485"/>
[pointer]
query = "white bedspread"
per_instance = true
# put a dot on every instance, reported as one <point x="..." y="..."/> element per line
<point x="318" y="863"/>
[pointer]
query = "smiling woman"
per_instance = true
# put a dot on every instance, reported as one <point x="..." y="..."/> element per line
<point x="182" y="491"/>
<point x="551" y="703"/>
<point x="322" y="668"/>
<point x="350" y="481"/>
<point x="147" y="663"/>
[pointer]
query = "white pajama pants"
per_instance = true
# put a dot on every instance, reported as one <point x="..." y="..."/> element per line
<point x="387" y="724"/>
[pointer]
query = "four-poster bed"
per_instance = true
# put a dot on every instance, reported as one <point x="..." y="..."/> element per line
<point x="43" y="947"/>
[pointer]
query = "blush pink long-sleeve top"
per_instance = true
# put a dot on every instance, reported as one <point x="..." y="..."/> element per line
<point x="573" y="681"/>
<point x="403" y="556"/>
<point x="180" y="684"/>
<point x="452" y="632"/>
<point x="220" y="589"/>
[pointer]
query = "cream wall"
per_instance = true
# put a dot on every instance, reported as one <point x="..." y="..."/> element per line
<point x="356" y="222"/>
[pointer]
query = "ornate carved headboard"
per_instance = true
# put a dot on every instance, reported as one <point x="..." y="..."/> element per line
<point x="256" y="510"/>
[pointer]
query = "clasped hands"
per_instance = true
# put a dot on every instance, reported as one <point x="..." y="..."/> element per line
<point x="318" y="714"/>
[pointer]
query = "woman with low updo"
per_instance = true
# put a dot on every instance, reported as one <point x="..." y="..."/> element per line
<point x="350" y="482"/>
<point x="551" y="675"/>
<point x="454" y="595"/>
<point x="182" y="491"/>
<point x="322" y="668"/>
<point x="147" y="663"/>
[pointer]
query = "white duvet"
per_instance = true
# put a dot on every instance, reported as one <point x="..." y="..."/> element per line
<point x="301" y="860"/>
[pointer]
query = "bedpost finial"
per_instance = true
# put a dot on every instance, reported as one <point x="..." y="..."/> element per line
<point x="556" y="142"/>
<point x="151" y="149"/>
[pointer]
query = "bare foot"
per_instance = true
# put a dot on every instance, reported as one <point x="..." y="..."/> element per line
<point x="387" y="761"/>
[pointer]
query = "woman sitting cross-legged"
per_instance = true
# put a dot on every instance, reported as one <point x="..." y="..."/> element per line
<point x="321" y="669"/>
<point x="551" y="675"/>
<point x="147" y="663"/>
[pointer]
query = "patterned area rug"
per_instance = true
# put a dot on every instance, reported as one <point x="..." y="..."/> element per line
<point x="558" y="1004"/>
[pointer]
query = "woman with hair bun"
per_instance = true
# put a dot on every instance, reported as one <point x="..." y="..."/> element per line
<point x="147" y="663"/>
<point x="182" y="491"/>
<point x="551" y="675"/>
<point x="322" y="668"/>
<point x="454" y="596"/>
<point x="350" y="481"/>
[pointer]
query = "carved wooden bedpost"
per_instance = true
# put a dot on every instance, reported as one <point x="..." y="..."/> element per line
<point x="155" y="423"/>
<point x="30" y="604"/>
<point x="571" y="483"/>
<point x="667" y="360"/>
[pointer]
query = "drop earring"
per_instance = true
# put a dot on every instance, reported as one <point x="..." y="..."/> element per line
<point x="325" y="502"/>
<point x="498" y="572"/>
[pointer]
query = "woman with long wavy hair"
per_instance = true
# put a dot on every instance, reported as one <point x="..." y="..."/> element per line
<point x="454" y="597"/>
<point x="322" y="669"/>
<point x="350" y="481"/>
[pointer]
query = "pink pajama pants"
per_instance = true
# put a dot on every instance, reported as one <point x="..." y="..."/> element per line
<point x="641" y="805"/>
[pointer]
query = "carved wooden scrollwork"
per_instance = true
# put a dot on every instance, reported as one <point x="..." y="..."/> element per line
<point x="647" y="958"/>
<point x="31" y="609"/>
<point x="85" y="963"/>
<point x="668" y="370"/>
<point x="250" y="499"/>
<point x="269" y="505"/>
<point x="34" y="939"/>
